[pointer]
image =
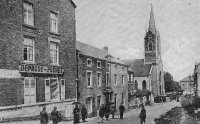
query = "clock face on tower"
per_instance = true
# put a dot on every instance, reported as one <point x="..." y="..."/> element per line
<point x="149" y="37"/>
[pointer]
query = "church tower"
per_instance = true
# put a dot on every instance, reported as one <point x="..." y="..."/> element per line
<point x="152" y="42"/>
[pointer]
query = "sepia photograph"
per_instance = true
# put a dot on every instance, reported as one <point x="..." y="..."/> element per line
<point x="100" y="61"/>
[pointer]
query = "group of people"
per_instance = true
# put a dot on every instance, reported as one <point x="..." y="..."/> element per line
<point x="106" y="110"/>
<point x="55" y="116"/>
<point x="76" y="113"/>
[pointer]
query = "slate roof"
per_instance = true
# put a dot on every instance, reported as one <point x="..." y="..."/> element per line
<point x="139" y="68"/>
<point x="95" y="52"/>
<point x="187" y="79"/>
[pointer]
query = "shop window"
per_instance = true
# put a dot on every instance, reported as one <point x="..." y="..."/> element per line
<point x="29" y="54"/>
<point x="29" y="91"/>
<point x="89" y="78"/>
<point x="54" y="52"/>
<point x="28" y="14"/>
<point x="54" y="22"/>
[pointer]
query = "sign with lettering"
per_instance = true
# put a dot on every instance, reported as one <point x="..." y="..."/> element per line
<point x="30" y="68"/>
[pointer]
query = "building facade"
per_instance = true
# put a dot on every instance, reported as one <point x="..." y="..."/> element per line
<point x="38" y="53"/>
<point x="187" y="84"/>
<point x="102" y="78"/>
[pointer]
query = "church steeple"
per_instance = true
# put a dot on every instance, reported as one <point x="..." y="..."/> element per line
<point x="152" y="25"/>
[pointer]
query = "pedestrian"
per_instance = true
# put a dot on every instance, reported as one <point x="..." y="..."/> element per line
<point x="55" y="116"/>
<point x="84" y="113"/>
<point x="113" y="111"/>
<point x="76" y="114"/>
<point x="44" y="118"/>
<point x="142" y="115"/>
<point x="101" y="112"/>
<point x="107" y="111"/>
<point x="121" y="110"/>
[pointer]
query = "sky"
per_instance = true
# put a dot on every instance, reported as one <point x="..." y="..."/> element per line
<point x="121" y="25"/>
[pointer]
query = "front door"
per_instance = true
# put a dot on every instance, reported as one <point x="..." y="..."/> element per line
<point x="29" y="90"/>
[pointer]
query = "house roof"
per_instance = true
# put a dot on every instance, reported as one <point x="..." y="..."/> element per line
<point x="95" y="52"/>
<point x="189" y="78"/>
<point x="139" y="68"/>
<point x="73" y="3"/>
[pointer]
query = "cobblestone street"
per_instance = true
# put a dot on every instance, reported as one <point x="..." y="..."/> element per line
<point x="130" y="117"/>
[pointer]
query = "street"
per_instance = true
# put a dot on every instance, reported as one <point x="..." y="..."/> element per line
<point x="130" y="117"/>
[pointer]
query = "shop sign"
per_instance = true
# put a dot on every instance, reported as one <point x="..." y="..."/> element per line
<point x="30" y="68"/>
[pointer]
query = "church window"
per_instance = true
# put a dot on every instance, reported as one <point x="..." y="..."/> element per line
<point x="150" y="46"/>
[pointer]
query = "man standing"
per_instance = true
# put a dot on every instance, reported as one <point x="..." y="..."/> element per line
<point x="142" y="115"/>
<point x="101" y="112"/>
<point x="121" y="110"/>
<point x="44" y="119"/>
<point x="55" y="116"/>
<point x="76" y="114"/>
<point x="84" y="113"/>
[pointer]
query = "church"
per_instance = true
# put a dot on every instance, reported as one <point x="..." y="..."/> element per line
<point x="148" y="72"/>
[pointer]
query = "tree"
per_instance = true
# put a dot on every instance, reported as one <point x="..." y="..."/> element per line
<point x="170" y="84"/>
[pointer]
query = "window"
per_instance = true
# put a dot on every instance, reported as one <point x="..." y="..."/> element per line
<point x="122" y="68"/>
<point x="123" y="80"/>
<point x="29" y="54"/>
<point x="54" y="22"/>
<point x="150" y="46"/>
<point x="89" y="62"/>
<point x="115" y="79"/>
<point x="89" y="79"/>
<point x="29" y="90"/>
<point x="98" y="79"/>
<point x="54" y="53"/>
<point x="28" y="14"/>
<point x="47" y="90"/>
<point x="116" y="66"/>
<point x="115" y="99"/>
<point x="131" y="77"/>
<point x="123" y="98"/>
<point x="98" y="64"/>
<point x="62" y="89"/>
<point x="144" y="84"/>
<point x="108" y="66"/>
<point x="107" y="79"/>
<point x="136" y="84"/>
<point x="54" y="89"/>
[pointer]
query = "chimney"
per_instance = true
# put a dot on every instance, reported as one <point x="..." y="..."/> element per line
<point x="105" y="48"/>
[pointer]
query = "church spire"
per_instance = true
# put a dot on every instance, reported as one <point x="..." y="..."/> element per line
<point x="152" y="25"/>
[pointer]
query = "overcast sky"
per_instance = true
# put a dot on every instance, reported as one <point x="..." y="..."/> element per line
<point x="121" y="25"/>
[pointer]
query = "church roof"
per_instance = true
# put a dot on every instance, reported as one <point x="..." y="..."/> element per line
<point x="95" y="52"/>
<point x="139" y="68"/>
<point x="152" y="25"/>
<point x="187" y="79"/>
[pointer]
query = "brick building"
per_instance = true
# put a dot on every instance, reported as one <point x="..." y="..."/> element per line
<point x="37" y="54"/>
<point x="100" y="78"/>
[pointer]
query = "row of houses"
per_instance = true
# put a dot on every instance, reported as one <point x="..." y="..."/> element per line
<point x="42" y="64"/>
